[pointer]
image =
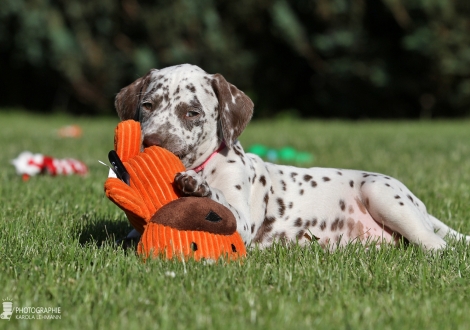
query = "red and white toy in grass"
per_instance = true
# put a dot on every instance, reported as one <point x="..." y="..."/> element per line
<point x="28" y="164"/>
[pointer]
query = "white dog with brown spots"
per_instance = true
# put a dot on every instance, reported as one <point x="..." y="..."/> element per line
<point x="199" y="116"/>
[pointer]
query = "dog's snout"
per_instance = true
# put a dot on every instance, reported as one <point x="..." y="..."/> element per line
<point x="152" y="140"/>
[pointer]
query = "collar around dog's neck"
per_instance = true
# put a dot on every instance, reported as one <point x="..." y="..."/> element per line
<point x="201" y="167"/>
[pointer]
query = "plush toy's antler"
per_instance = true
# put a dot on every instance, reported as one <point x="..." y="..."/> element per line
<point x="173" y="226"/>
<point x="127" y="139"/>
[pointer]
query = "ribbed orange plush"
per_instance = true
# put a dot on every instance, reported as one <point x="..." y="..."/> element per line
<point x="160" y="240"/>
<point x="194" y="227"/>
<point x="170" y="226"/>
<point x="152" y="175"/>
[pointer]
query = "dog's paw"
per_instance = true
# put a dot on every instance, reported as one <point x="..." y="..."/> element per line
<point x="192" y="184"/>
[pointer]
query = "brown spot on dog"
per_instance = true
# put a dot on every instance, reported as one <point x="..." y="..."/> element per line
<point x="351" y="184"/>
<point x="342" y="205"/>
<point x="361" y="205"/>
<point x="339" y="173"/>
<point x="307" y="178"/>
<point x="334" y="224"/>
<point x="355" y="229"/>
<point x="282" y="206"/>
<point x="293" y="175"/>
<point x="341" y="224"/>
<point x="264" y="229"/>
<point x="359" y="230"/>
<point x="397" y="197"/>
<point x="238" y="152"/>
<point x="314" y="222"/>
<point x="313" y="184"/>
<point x="191" y="88"/>
<point x="301" y="192"/>
<point x="410" y="198"/>
<point x="298" y="222"/>
<point x="351" y="209"/>
<point x="262" y="179"/>
<point x="238" y="187"/>
<point x="326" y="179"/>
<point x="323" y="225"/>
<point x="350" y="224"/>
<point x="266" y="198"/>
<point x="401" y="203"/>
<point x="299" y="235"/>
<point x="284" y="185"/>
<point x="252" y="228"/>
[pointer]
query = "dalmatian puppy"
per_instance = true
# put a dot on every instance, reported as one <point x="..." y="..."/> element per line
<point x="198" y="117"/>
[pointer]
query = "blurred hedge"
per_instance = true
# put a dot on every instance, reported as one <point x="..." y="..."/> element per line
<point x="323" y="58"/>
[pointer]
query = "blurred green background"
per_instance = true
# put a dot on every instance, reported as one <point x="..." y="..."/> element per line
<point x="325" y="58"/>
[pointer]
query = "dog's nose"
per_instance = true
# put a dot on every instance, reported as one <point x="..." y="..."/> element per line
<point x="152" y="140"/>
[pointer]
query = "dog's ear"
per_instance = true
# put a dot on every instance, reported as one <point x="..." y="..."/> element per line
<point x="235" y="109"/>
<point x="128" y="99"/>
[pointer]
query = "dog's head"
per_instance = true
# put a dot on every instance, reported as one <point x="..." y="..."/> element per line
<point x="186" y="110"/>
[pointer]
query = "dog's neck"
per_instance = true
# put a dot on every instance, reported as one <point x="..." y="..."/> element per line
<point x="199" y="168"/>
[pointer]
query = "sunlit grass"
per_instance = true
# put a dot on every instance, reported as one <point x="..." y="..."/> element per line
<point x="57" y="234"/>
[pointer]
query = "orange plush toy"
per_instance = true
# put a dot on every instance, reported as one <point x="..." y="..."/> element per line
<point x="171" y="225"/>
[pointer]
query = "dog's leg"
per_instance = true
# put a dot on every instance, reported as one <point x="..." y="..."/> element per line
<point x="391" y="204"/>
<point x="192" y="184"/>
<point x="443" y="230"/>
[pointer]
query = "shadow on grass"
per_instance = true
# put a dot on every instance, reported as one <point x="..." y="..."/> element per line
<point x="101" y="231"/>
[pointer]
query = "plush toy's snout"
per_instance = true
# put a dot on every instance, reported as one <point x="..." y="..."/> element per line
<point x="192" y="226"/>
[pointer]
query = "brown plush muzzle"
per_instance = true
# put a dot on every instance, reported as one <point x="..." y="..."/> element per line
<point x="192" y="227"/>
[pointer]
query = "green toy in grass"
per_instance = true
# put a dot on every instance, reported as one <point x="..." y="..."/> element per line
<point x="285" y="155"/>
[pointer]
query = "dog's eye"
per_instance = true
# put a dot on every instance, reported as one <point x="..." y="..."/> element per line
<point x="147" y="106"/>
<point x="190" y="114"/>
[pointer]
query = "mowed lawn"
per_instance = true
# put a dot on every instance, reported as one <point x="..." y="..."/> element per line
<point x="57" y="234"/>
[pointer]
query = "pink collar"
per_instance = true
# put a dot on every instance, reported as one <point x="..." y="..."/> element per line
<point x="201" y="167"/>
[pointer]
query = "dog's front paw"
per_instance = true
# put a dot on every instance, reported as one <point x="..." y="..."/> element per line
<point x="192" y="184"/>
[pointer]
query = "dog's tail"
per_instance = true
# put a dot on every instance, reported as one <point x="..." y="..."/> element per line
<point x="443" y="230"/>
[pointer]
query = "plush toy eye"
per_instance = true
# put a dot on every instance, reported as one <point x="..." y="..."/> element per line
<point x="192" y="113"/>
<point x="147" y="106"/>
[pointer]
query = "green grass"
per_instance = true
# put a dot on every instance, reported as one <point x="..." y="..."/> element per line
<point x="57" y="233"/>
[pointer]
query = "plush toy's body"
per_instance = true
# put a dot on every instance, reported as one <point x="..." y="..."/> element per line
<point x="170" y="226"/>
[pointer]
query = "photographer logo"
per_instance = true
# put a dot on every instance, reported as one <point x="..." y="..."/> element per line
<point x="7" y="309"/>
<point x="29" y="312"/>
